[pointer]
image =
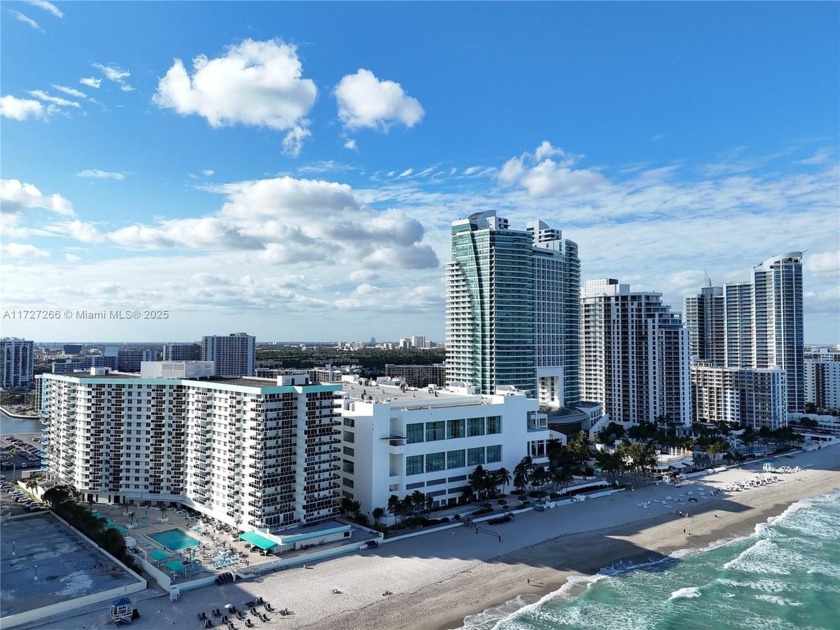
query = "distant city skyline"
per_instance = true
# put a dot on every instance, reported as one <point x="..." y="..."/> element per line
<point x="218" y="167"/>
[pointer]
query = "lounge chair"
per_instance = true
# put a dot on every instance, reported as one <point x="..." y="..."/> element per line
<point x="265" y="617"/>
<point x="208" y="623"/>
<point x="249" y="623"/>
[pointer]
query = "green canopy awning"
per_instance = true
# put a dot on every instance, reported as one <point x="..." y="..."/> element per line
<point x="260" y="541"/>
<point x="174" y="565"/>
<point x="158" y="555"/>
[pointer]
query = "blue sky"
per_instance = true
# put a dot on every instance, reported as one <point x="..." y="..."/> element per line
<point x="292" y="169"/>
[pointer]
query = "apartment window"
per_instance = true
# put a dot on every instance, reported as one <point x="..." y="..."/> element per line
<point x="435" y="462"/>
<point x="414" y="433"/>
<point x="475" y="456"/>
<point x="455" y="429"/>
<point x="494" y="453"/>
<point x="476" y="427"/>
<point x="414" y="465"/>
<point x="435" y="431"/>
<point x="455" y="459"/>
<point x="494" y="425"/>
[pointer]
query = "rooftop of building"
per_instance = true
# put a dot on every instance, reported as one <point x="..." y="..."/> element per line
<point x="408" y="396"/>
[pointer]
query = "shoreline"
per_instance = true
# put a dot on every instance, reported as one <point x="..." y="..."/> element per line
<point x="437" y="580"/>
<point x="556" y="579"/>
<point x="17" y="416"/>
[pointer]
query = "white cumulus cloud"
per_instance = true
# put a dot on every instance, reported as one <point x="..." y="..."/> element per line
<point x="22" y="250"/>
<point x="365" y="101"/>
<point x="256" y="83"/>
<point x="91" y="82"/>
<point x="21" y="108"/>
<point x="16" y="195"/>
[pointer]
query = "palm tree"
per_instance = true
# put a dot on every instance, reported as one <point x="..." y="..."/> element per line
<point x="714" y="449"/>
<point x="539" y="477"/>
<point x="477" y="481"/>
<point x="394" y="506"/>
<point x="503" y="478"/>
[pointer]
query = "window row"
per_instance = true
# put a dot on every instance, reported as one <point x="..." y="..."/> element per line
<point x="434" y="462"/>
<point x="452" y="429"/>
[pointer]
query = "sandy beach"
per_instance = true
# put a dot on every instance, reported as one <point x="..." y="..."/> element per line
<point x="437" y="580"/>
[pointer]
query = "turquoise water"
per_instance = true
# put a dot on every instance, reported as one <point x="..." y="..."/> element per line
<point x="174" y="539"/>
<point x="785" y="576"/>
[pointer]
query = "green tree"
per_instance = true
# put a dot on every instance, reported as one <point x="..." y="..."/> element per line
<point x="503" y="478"/>
<point x="378" y="513"/>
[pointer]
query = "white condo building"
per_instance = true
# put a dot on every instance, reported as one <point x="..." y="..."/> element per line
<point x="253" y="453"/>
<point x="398" y="441"/>
<point x="234" y="354"/>
<point x="16" y="362"/>
<point x="822" y="377"/>
<point x="746" y="397"/>
<point x="634" y="355"/>
<point x="753" y="325"/>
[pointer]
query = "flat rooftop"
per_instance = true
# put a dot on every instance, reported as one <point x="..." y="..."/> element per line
<point x="45" y="562"/>
<point x="411" y="396"/>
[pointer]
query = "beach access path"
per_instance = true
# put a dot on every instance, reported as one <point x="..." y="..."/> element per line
<point x="438" y="579"/>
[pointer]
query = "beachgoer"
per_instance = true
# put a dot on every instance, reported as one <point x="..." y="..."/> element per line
<point x="529" y="580"/>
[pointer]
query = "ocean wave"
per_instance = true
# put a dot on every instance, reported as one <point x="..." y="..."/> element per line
<point x="686" y="593"/>
<point x="781" y="601"/>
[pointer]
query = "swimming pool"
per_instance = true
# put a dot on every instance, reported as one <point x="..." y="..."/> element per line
<point x="174" y="539"/>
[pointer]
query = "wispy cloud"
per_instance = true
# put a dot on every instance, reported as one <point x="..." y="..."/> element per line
<point x="47" y="6"/>
<point x="91" y="82"/>
<point x="70" y="91"/>
<point x="115" y="74"/>
<point x="22" y="108"/>
<point x="25" y="19"/>
<point x="96" y="173"/>
<point x="55" y="100"/>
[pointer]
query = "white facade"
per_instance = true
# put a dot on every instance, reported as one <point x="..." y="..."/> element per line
<point x="234" y="354"/>
<point x="395" y="442"/>
<point x="177" y="369"/>
<point x="16" y="362"/>
<point x="634" y="355"/>
<point x="253" y="453"/>
<point x="753" y="397"/>
<point x="822" y="380"/>
<point x="760" y="324"/>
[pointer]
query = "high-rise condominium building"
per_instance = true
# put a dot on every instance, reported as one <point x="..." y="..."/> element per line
<point x="759" y="323"/>
<point x="635" y="354"/>
<point x="253" y="453"/>
<point x="822" y="377"/>
<point x="512" y="309"/>
<point x="16" y="362"/>
<point x="234" y="354"/>
<point x="750" y="397"/>
<point x="779" y="335"/>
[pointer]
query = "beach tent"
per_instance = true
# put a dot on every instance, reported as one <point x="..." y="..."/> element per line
<point x="258" y="541"/>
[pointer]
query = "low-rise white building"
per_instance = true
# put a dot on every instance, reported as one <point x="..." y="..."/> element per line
<point x="398" y="440"/>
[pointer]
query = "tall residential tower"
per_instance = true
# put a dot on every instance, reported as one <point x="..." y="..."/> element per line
<point x="512" y="309"/>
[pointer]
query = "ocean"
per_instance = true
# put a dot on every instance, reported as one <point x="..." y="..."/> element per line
<point x="785" y="576"/>
<point x="18" y="425"/>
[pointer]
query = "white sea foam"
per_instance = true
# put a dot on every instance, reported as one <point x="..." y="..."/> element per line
<point x="781" y="601"/>
<point x="686" y="593"/>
